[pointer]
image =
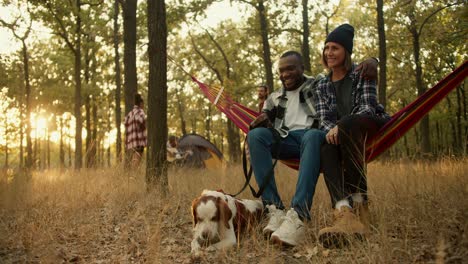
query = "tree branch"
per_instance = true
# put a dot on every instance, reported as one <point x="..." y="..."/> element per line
<point x="433" y="14"/>
<point x="210" y="65"/>
<point x="226" y="60"/>
<point x="62" y="34"/>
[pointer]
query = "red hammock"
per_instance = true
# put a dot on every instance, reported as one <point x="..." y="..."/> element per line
<point x="398" y="125"/>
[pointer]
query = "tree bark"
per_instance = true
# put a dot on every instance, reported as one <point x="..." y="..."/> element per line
<point x="130" y="38"/>
<point x="88" y="128"/>
<point x="77" y="111"/>
<point x="6" y="165"/>
<point x="61" y="145"/>
<point x="424" y="125"/>
<point x="266" y="45"/>
<point x="305" y="37"/>
<point x="382" y="54"/>
<point x="94" y="138"/>
<point x="29" y="152"/>
<point x="156" y="169"/>
<point x="118" y="84"/>
<point x="130" y="74"/>
<point x="180" y="108"/>
<point x="233" y="136"/>
<point x="21" y="132"/>
<point x="459" y="122"/>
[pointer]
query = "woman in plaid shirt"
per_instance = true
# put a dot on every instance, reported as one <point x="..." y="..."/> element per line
<point x="349" y="113"/>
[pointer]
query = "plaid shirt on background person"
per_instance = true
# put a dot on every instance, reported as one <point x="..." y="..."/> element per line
<point x="364" y="99"/>
<point x="135" y="128"/>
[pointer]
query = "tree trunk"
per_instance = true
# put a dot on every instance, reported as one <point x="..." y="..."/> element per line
<point x="77" y="112"/>
<point x="180" y="108"/>
<point x="156" y="169"/>
<point x="36" y="147"/>
<point x="233" y="141"/>
<point x="69" y="153"/>
<point x="29" y="151"/>
<point x="454" y="142"/>
<point x="382" y="54"/>
<point x="61" y="146"/>
<point x="94" y="139"/>
<point x="266" y="45"/>
<point x="6" y="144"/>
<point x="130" y="39"/>
<point x="465" y="118"/>
<point x="118" y="84"/>
<point x="88" y="129"/>
<point x="21" y="132"/>
<point x="424" y="125"/>
<point x="48" y="149"/>
<point x="459" y="148"/>
<point x="305" y="38"/>
<point x="208" y="123"/>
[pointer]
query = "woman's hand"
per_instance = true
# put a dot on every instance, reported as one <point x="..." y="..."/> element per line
<point x="332" y="136"/>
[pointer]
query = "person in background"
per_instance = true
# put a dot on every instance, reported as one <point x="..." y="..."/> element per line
<point x="349" y="115"/>
<point x="135" y="132"/>
<point x="262" y="93"/>
<point x="173" y="153"/>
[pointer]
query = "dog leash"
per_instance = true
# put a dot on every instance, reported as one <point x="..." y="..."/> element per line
<point x="248" y="172"/>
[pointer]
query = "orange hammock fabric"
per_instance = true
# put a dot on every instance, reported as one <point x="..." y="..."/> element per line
<point x="398" y="125"/>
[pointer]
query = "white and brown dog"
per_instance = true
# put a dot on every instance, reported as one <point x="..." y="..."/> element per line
<point x="219" y="218"/>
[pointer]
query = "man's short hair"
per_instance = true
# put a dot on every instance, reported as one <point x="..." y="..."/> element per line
<point x="138" y="99"/>
<point x="293" y="53"/>
<point x="264" y="86"/>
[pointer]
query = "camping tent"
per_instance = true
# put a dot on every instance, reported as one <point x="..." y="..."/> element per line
<point x="205" y="154"/>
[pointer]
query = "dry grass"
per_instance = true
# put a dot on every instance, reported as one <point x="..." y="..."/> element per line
<point x="419" y="214"/>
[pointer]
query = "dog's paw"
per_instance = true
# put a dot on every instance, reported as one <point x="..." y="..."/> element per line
<point x="211" y="249"/>
<point x="196" y="255"/>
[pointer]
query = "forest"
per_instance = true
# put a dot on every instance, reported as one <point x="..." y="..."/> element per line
<point x="69" y="71"/>
<point x="71" y="76"/>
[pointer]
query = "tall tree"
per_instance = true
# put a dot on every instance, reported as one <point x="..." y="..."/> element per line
<point x="305" y="37"/>
<point x="232" y="131"/>
<point x="156" y="170"/>
<point x="68" y="28"/>
<point x="416" y="27"/>
<point x="27" y="84"/>
<point x="259" y="5"/>
<point x="382" y="54"/>
<point x="129" y="8"/>
<point x="118" y="82"/>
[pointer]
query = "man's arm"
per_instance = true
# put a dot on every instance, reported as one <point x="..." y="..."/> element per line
<point x="368" y="68"/>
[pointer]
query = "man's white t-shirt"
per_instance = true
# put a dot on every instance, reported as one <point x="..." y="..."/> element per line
<point x="295" y="117"/>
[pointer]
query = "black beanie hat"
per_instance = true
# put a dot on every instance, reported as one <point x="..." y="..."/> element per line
<point x="342" y="35"/>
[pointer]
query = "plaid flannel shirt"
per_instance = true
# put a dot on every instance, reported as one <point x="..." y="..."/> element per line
<point x="275" y="105"/>
<point x="364" y="99"/>
<point x="135" y="128"/>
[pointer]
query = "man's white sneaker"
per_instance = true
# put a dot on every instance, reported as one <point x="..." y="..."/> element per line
<point x="291" y="232"/>
<point x="275" y="219"/>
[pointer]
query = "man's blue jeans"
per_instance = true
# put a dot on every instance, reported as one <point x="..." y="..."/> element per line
<point x="299" y="144"/>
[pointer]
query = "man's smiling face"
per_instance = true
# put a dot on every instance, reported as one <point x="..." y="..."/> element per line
<point x="291" y="72"/>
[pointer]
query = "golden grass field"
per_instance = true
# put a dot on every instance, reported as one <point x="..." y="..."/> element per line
<point x="419" y="214"/>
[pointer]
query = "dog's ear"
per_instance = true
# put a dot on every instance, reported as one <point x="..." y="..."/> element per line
<point x="195" y="203"/>
<point x="224" y="212"/>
